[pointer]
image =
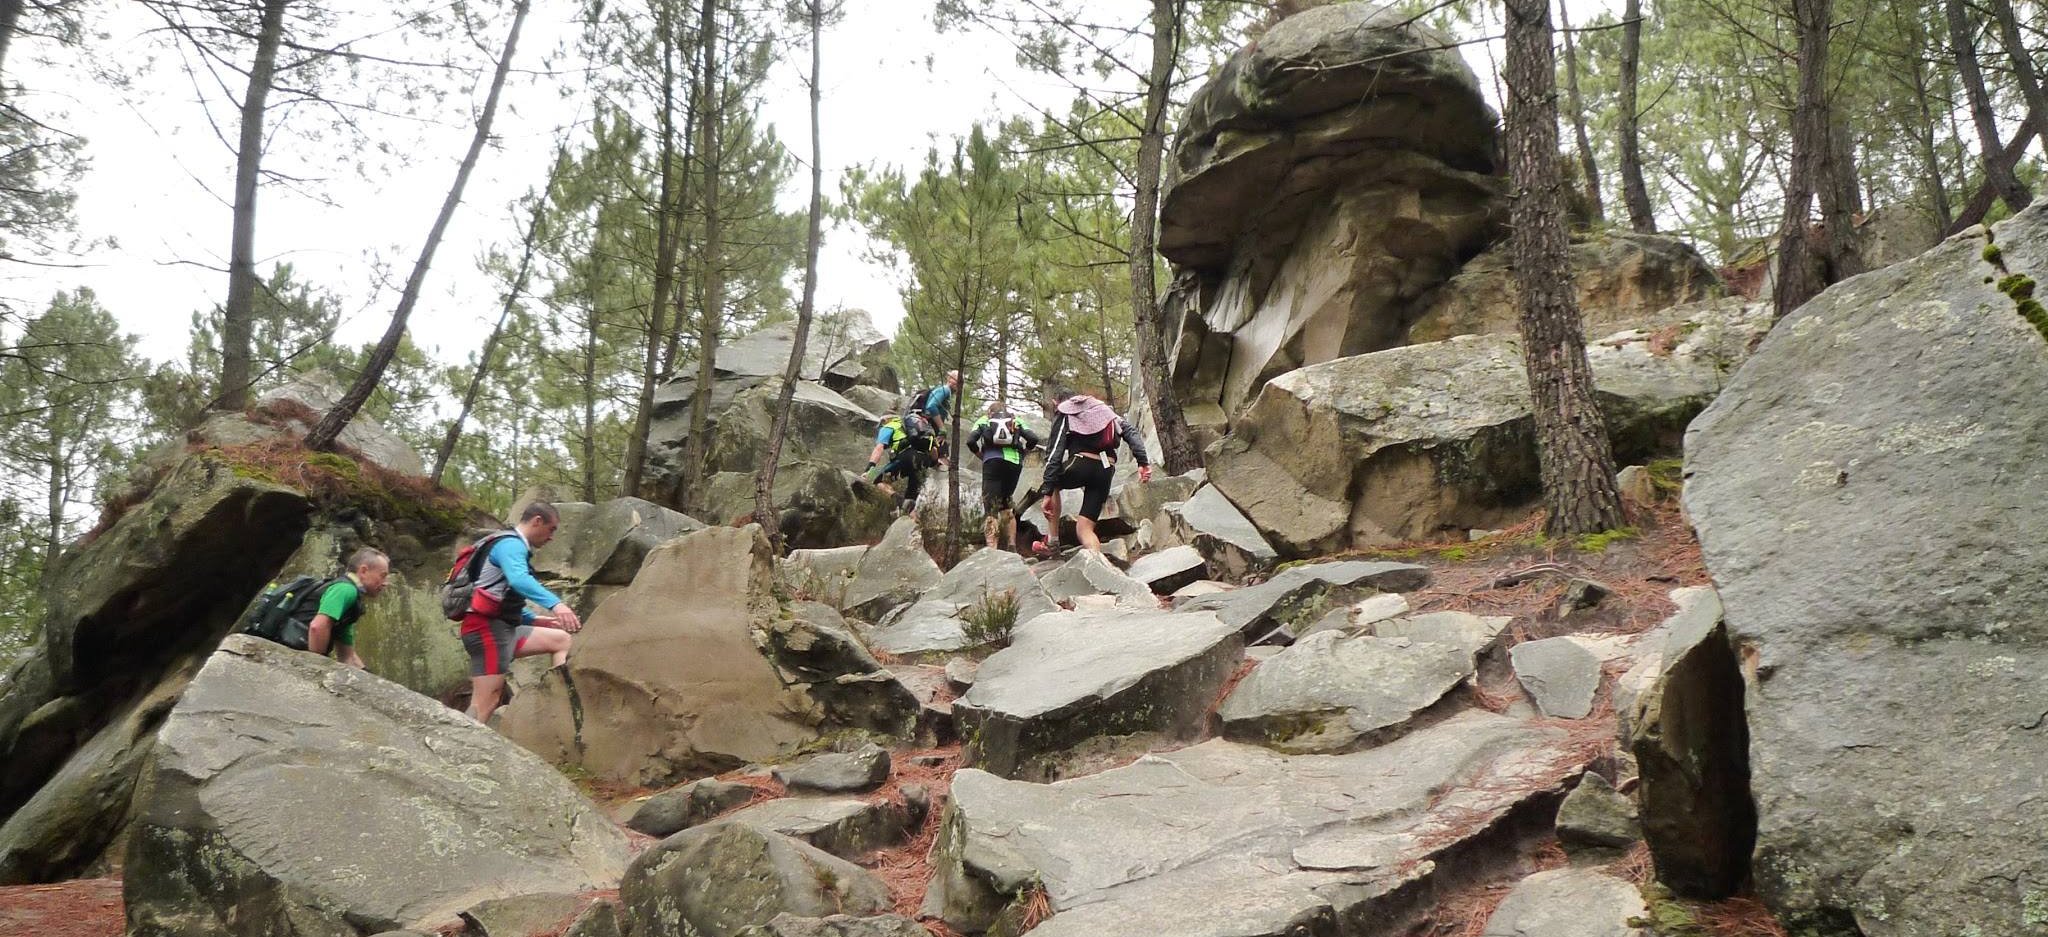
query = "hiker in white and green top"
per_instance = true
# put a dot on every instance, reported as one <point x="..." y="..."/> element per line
<point x="1001" y="441"/>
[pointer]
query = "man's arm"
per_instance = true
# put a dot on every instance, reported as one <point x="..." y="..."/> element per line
<point x="1031" y="440"/>
<point x="1133" y="440"/>
<point x="318" y="633"/>
<point x="346" y="653"/>
<point x="510" y="555"/>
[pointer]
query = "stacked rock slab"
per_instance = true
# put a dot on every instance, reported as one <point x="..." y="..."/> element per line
<point x="1417" y="442"/>
<point x="719" y="879"/>
<point x="670" y="677"/>
<point x="937" y="620"/>
<point x="1236" y="840"/>
<point x="1324" y="181"/>
<point x="1867" y="497"/>
<point x="1329" y="692"/>
<point x="440" y="813"/>
<point x="126" y="627"/>
<point x="1299" y="595"/>
<point x="1622" y="277"/>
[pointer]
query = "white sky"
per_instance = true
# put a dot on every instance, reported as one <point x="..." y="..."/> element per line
<point x="159" y="181"/>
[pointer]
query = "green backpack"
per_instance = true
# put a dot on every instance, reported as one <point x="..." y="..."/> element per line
<point x="284" y="613"/>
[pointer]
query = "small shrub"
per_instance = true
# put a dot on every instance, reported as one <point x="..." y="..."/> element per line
<point x="993" y="619"/>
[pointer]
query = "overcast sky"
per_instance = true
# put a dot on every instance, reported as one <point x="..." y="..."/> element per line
<point x="156" y="194"/>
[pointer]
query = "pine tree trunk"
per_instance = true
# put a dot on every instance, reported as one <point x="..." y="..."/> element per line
<point x="344" y="410"/>
<point x="1633" y="192"/>
<point x="2008" y="158"/>
<point x="1930" y="155"/>
<point x="764" y="480"/>
<point x="697" y="448"/>
<point x="239" y="312"/>
<point x="10" y="18"/>
<point x="1962" y="38"/>
<point x="1177" y="446"/>
<point x="1588" y="168"/>
<point x="664" y="264"/>
<point x="589" y="381"/>
<point x="1577" y="463"/>
<point x="1841" y="199"/>
<point x="527" y="245"/>
<point x="2022" y="65"/>
<point x="1799" y="266"/>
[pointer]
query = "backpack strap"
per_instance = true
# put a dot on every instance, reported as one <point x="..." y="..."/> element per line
<point x="483" y="551"/>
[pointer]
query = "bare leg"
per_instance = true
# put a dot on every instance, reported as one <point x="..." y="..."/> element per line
<point x="1086" y="529"/>
<point x="484" y="693"/>
<point x="546" y="640"/>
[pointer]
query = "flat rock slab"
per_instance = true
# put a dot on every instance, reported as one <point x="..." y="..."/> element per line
<point x="1596" y="815"/>
<point x="521" y="916"/>
<point x="721" y="878"/>
<point x="1473" y="633"/>
<point x="1329" y="692"/>
<point x="687" y="805"/>
<point x="846" y="827"/>
<point x="1230" y="840"/>
<point x="1220" y="532"/>
<point x="1088" y="573"/>
<point x="440" y="812"/>
<point x="836" y="772"/>
<point x="1168" y="570"/>
<point x="1560" y="674"/>
<point x="891" y="574"/>
<point x="1299" y="595"/>
<point x="1569" y="903"/>
<point x="1071" y="676"/>
<point x="933" y="623"/>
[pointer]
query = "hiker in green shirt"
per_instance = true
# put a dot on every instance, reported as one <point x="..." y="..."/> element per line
<point x="341" y="605"/>
<point x="1001" y="441"/>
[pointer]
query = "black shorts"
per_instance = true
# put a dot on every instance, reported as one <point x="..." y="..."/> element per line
<point x="1093" y="478"/>
<point x="998" y="484"/>
<point x="492" y="645"/>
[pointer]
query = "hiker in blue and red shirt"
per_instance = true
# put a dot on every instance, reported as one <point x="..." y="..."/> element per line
<point x="499" y="627"/>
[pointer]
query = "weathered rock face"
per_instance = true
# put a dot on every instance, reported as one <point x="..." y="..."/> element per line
<point x="1867" y="519"/>
<point x="1298" y="596"/>
<point x="311" y="395"/>
<point x="1283" y="845"/>
<point x="892" y="574"/>
<point x="846" y="827"/>
<point x="670" y="677"/>
<point x="1560" y="675"/>
<point x="1227" y="540"/>
<point x="838" y="925"/>
<point x="123" y="619"/>
<point x="1087" y="573"/>
<point x="1569" y="903"/>
<point x="441" y="812"/>
<point x="604" y="544"/>
<point x="1169" y="569"/>
<point x="1622" y="277"/>
<point x="687" y="805"/>
<point x="721" y="878"/>
<point x="1071" y="676"/>
<point x="1329" y="692"/>
<point x="818" y="505"/>
<point x="1410" y="443"/>
<point x="1327" y="178"/>
<point x="936" y="621"/>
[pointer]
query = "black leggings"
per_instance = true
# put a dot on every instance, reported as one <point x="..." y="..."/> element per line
<point x="998" y="484"/>
<point x="1093" y="478"/>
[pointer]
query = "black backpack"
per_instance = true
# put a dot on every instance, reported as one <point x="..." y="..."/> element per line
<point x="917" y="403"/>
<point x="285" y="611"/>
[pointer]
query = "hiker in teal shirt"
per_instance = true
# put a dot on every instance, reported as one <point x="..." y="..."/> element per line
<point x="341" y="606"/>
<point x="1001" y="442"/>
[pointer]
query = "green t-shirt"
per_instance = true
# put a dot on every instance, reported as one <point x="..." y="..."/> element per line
<point x="342" y="602"/>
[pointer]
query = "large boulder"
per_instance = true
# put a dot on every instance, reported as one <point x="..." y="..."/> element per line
<point x="719" y="879"/>
<point x="1226" y="539"/>
<point x="124" y="614"/>
<point x="670" y="677"/>
<point x="291" y="410"/>
<point x="604" y="544"/>
<point x="1299" y="595"/>
<point x="937" y="620"/>
<point x="1323" y="182"/>
<point x="1864" y="492"/>
<point x="847" y="827"/>
<point x="818" y="504"/>
<point x="1089" y="574"/>
<point x="824" y="426"/>
<point x="403" y="635"/>
<point x="440" y="813"/>
<point x="1230" y="839"/>
<point x="1570" y="903"/>
<point x="1329" y="692"/>
<point x="1622" y="277"/>
<point x="1071" y="676"/>
<point x="1415" y="442"/>
<point x="892" y="574"/>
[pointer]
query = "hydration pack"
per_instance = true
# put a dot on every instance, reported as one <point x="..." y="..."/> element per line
<point x="459" y="589"/>
<point x="284" y="613"/>
<point x="1002" y="431"/>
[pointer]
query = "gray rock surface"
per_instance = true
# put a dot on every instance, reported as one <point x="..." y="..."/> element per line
<point x="843" y="826"/>
<point x="1417" y="442"/>
<point x="1593" y="814"/>
<point x="1474" y="634"/>
<point x="1329" y="692"/>
<point x="441" y="812"/>
<point x="1869" y="526"/>
<point x="687" y="805"/>
<point x="1071" y="676"/>
<point x="821" y="575"/>
<point x="670" y="678"/>
<point x="1220" y="532"/>
<point x="313" y="393"/>
<point x="891" y="574"/>
<point x="934" y="621"/>
<point x="862" y="769"/>
<point x="1569" y="903"/>
<point x="838" y="925"/>
<point x="1300" y="595"/>
<point x="1166" y="571"/>
<point x="604" y="544"/>
<point x="1560" y="674"/>
<point x="1621" y="277"/>
<point x="1294" y="207"/>
<point x="817" y="652"/>
<point x="1088" y="573"/>
<point x="601" y="919"/>
<point x="719" y="879"/>
<point x="521" y="915"/>
<point x="817" y="504"/>
<point x="1279" y="842"/>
